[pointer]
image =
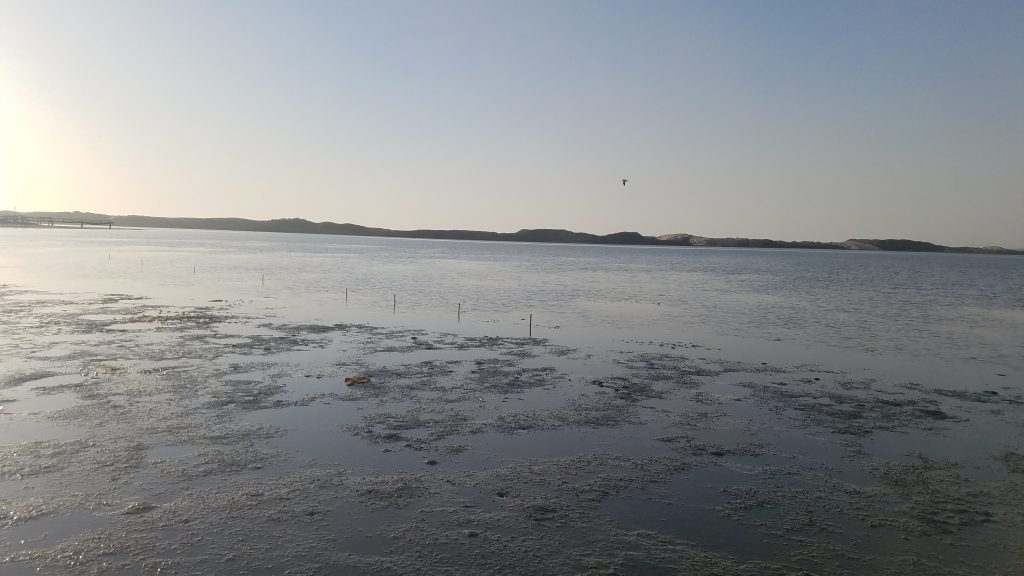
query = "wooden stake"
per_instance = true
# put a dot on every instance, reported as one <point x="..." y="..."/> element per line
<point x="394" y="309"/>
<point x="346" y="295"/>
<point x="263" y="279"/>
<point x="531" y="325"/>
<point x="460" y="313"/>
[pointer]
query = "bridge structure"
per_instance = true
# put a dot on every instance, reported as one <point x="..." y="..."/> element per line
<point x="14" y="219"/>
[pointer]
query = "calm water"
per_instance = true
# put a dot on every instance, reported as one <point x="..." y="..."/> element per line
<point x="958" y="318"/>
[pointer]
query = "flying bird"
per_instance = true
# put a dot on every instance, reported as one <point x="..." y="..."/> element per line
<point x="624" y="181"/>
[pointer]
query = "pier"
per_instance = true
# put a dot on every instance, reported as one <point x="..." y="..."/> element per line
<point x="13" y="219"/>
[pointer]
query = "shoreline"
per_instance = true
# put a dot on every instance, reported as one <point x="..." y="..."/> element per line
<point x="554" y="236"/>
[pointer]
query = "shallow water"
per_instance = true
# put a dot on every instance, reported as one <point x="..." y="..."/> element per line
<point x="732" y="411"/>
<point x="949" y="308"/>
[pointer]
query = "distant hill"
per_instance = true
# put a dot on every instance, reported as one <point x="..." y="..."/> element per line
<point x="301" y="226"/>
<point x="918" y="246"/>
<point x="306" y="227"/>
<point x="890" y="245"/>
<point x="691" y="240"/>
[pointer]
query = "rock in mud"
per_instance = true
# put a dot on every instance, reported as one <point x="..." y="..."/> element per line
<point x="138" y="508"/>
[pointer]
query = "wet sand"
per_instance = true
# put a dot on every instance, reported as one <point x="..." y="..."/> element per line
<point x="138" y="438"/>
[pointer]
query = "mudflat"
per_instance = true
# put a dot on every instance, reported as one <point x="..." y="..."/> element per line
<point x="143" y="438"/>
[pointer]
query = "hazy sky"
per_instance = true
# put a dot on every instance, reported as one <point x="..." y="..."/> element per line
<point x="793" y="120"/>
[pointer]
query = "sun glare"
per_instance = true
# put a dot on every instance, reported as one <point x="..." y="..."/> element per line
<point x="43" y="165"/>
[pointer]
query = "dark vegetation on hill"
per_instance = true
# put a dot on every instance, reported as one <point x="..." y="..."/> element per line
<point x="301" y="226"/>
<point x="918" y="246"/>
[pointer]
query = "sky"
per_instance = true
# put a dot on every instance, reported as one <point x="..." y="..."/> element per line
<point x="793" y="120"/>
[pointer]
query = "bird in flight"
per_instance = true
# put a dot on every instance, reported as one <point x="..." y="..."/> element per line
<point x="624" y="181"/>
